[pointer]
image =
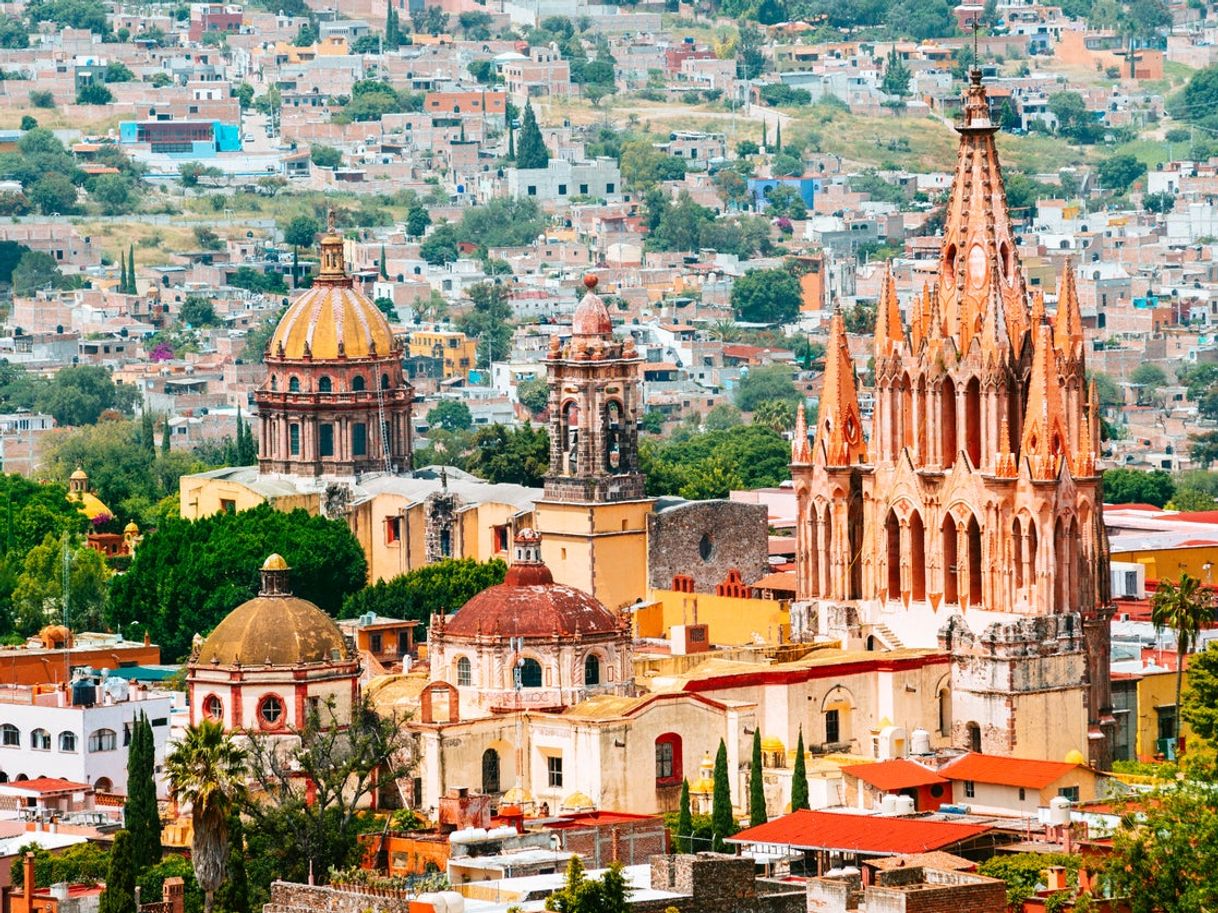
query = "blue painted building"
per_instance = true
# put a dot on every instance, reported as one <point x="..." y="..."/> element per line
<point x="761" y="188"/>
<point x="192" y="139"/>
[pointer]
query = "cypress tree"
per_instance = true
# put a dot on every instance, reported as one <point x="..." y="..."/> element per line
<point x="723" y="824"/>
<point x="764" y="141"/>
<point x="799" y="777"/>
<point x="685" y="822"/>
<point x="119" y="896"/>
<point x="233" y="895"/>
<point x="140" y="816"/>
<point x="122" y="275"/>
<point x="385" y="272"/>
<point x="531" y="151"/>
<point x="511" y="140"/>
<point x="165" y="432"/>
<point x="147" y="436"/>
<point x="131" y="289"/>
<point x="756" y="786"/>
<point x="778" y="137"/>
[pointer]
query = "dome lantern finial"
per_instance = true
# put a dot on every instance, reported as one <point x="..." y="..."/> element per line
<point x="275" y="577"/>
<point x="333" y="269"/>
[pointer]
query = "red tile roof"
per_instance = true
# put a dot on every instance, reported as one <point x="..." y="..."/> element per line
<point x="894" y="775"/>
<point x="984" y="768"/>
<point x="48" y="785"/>
<point x="870" y="834"/>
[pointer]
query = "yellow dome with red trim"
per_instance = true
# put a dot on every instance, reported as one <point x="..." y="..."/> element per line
<point x="332" y="320"/>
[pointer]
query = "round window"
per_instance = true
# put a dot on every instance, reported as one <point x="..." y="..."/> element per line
<point x="270" y="711"/>
<point x="937" y="791"/>
<point x="705" y="547"/>
<point x="213" y="707"/>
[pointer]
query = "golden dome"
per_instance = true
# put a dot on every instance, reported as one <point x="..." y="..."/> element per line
<point x="517" y="795"/>
<point x="332" y="320"/>
<point x="274" y="628"/>
<point x="329" y="321"/>
<point x="131" y="527"/>
<point x="578" y="802"/>
<point x="79" y="475"/>
<point x="773" y="743"/>
<point x="1074" y="756"/>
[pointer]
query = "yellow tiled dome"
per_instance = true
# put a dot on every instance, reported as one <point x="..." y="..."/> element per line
<point x="332" y="319"/>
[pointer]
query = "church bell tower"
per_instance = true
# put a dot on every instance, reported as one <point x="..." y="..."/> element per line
<point x="593" y="518"/>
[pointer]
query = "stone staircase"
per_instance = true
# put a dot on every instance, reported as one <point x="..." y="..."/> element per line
<point x="887" y="636"/>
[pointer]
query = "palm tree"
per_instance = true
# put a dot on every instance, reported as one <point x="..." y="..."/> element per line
<point x="775" y="413"/>
<point x="1184" y="608"/>
<point x="207" y="771"/>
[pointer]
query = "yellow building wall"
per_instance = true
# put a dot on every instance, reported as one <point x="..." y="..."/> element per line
<point x="1155" y="690"/>
<point x="1170" y="563"/>
<point x="203" y="497"/>
<point x="598" y="548"/>
<point x="729" y="619"/>
<point x="1050" y="724"/>
<point x="423" y="344"/>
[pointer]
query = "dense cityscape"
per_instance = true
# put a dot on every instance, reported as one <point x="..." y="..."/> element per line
<point x="495" y="456"/>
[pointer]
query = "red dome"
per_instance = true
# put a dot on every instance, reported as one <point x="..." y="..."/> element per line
<point x="530" y="604"/>
<point x="591" y="315"/>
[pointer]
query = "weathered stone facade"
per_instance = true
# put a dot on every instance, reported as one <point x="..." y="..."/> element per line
<point x="704" y="540"/>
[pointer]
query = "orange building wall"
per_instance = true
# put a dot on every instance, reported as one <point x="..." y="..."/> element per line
<point x="20" y="666"/>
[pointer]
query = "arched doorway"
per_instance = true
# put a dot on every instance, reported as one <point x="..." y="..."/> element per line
<point x="973" y="734"/>
<point x="490" y="772"/>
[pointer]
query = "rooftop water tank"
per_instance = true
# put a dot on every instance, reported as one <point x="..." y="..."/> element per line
<point x="1059" y="811"/>
<point x="919" y="742"/>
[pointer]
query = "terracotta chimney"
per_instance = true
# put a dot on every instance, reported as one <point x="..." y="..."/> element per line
<point x="1055" y="878"/>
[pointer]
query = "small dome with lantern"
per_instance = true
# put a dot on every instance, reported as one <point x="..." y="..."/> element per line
<point x="530" y="641"/>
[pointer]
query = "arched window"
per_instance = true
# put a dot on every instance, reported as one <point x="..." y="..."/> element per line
<point x="324" y="385"/>
<point x="103" y="785"/>
<point x="9" y="736"/>
<point x="464" y="673"/>
<point x="270" y="711"/>
<point x="274" y="382"/>
<point x="358" y="383"/>
<point x="972" y="420"/>
<point x="490" y="771"/>
<point x="384" y="381"/>
<point x="951" y="590"/>
<point x="293" y="384"/>
<point x="892" y="529"/>
<point x="974" y="562"/>
<point x="947" y="419"/>
<point x="974" y="736"/>
<point x="613" y="435"/>
<point x="945" y="712"/>
<point x="668" y="759"/>
<point x="67" y="741"/>
<point x="213" y="708"/>
<point x="530" y="673"/>
<point x="917" y="557"/>
<point x="103" y="740"/>
<point x="40" y="740"/>
<point x="592" y="670"/>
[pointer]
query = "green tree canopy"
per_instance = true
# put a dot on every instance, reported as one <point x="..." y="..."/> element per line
<point x="761" y="385"/>
<point x="451" y="415"/>
<point x="712" y="463"/>
<point x="1119" y="171"/>
<point x="38" y="595"/>
<point x="519" y="455"/>
<point x="1136" y="486"/>
<point x="188" y="575"/>
<point x="439" y="588"/>
<point x="766" y="296"/>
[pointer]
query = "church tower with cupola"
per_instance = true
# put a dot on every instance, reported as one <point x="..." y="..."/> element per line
<point x="593" y="517"/>
<point x="971" y="517"/>
<point x="335" y="401"/>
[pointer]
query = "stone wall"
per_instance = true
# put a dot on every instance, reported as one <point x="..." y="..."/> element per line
<point x="718" y="883"/>
<point x="705" y="540"/>
<point x="630" y="844"/>
<point x="287" y="897"/>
